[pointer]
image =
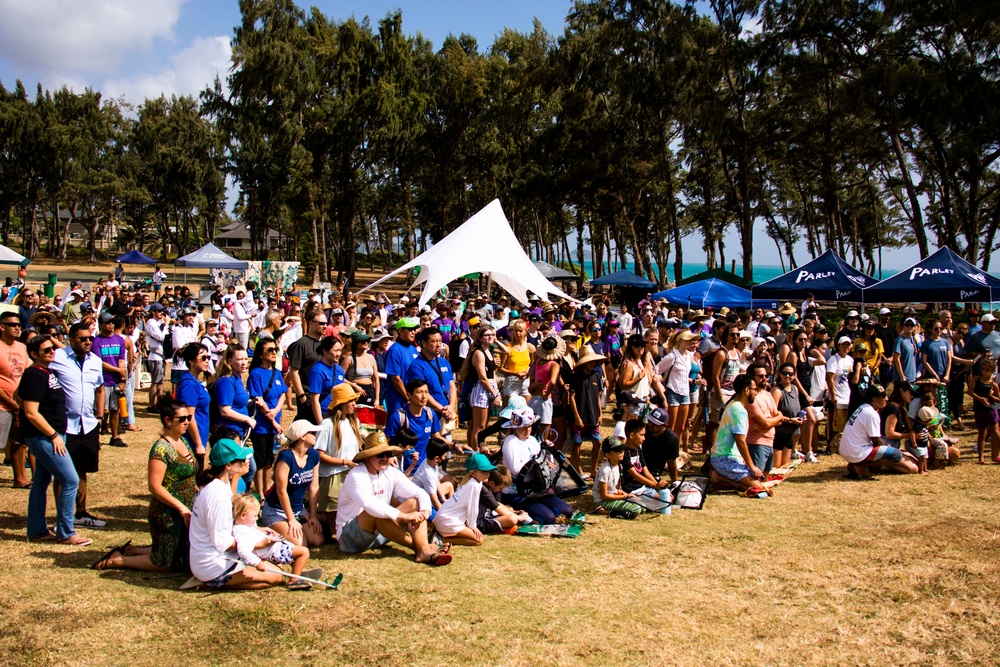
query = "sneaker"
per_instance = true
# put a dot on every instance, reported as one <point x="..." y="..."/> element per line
<point x="85" y="519"/>
<point x="117" y="442"/>
<point x="811" y="458"/>
<point x="628" y="515"/>
<point x="798" y="455"/>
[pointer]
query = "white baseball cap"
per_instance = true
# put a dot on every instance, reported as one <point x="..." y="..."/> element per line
<point x="988" y="317"/>
<point x="884" y="311"/>
<point x="852" y="313"/>
<point x="844" y="339"/>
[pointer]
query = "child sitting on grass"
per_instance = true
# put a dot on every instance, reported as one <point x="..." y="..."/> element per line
<point x="257" y="545"/>
<point x="456" y="520"/>
<point x="406" y="440"/>
<point x="637" y="478"/>
<point x="429" y="476"/>
<point x="494" y="516"/>
<point x="608" y="496"/>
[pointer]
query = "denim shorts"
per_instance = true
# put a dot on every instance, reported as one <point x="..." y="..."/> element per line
<point x="762" y="456"/>
<point x="270" y="515"/>
<point x="355" y="540"/>
<point x="675" y="399"/>
<point x="734" y="469"/>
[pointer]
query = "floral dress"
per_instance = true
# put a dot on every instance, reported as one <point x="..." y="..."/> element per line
<point x="170" y="542"/>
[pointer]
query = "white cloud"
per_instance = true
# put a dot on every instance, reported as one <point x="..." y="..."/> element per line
<point x="82" y="35"/>
<point x="191" y="70"/>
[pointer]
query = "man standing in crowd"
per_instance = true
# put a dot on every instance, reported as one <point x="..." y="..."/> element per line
<point x="302" y="354"/>
<point x="110" y="347"/>
<point x="156" y="331"/>
<point x="13" y="360"/>
<point x="397" y="362"/>
<point x="435" y="370"/>
<point x="905" y="354"/>
<point x="986" y="339"/>
<point x="80" y="372"/>
<point x="181" y="333"/>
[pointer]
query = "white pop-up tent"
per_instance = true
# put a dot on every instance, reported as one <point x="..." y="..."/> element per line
<point x="484" y="243"/>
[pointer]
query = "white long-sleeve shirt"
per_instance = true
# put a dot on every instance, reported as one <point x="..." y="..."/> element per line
<point x="365" y="492"/>
<point x="181" y="336"/>
<point x="461" y="510"/>
<point x="155" y="332"/>
<point x="211" y="531"/>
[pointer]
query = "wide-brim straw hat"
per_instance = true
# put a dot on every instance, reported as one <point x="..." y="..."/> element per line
<point x="787" y="308"/>
<point x="374" y="445"/>
<point x="557" y="352"/>
<point x="589" y="355"/>
<point x="52" y="317"/>
<point x="343" y="393"/>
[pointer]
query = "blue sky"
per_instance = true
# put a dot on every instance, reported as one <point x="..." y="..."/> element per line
<point x="133" y="49"/>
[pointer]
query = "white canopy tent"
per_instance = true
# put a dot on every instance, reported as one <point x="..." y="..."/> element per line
<point x="484" y="243"/>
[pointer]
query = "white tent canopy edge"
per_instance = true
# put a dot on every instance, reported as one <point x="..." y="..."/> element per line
<point x="485" y="243"/>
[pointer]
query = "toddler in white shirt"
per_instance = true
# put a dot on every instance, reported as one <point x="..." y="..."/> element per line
<point x="257" y="545"/>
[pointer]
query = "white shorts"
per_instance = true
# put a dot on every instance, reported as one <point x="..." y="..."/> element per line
<point x="542" y="407"/>
<point x="478" y="398"/>
<point x="513" y="384"/>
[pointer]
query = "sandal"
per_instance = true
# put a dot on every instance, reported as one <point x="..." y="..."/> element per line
<point x="77" y="541"/>
<point x="101" y="564"/>
<point x="440" y="557"/>
<point x="50" y="537"/>
<point x="299" y="585"/>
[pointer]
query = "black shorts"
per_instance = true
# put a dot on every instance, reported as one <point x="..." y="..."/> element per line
<point x="263" y="449"/>
<point x="488" y="526"/>
<point x="558" y="411"/>
<point x="782" y="441"/>
<point x="85" y="450"/>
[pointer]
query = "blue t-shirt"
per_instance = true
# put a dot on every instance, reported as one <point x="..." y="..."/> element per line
<point x="907" y="350"/>
<point x="256" y="384"/>
<point x="937" y="354"/>
<point x="193" y="394"/>
<point x="299" y="479"/>
<point x="397" y="361"/>
<point x="229" y="391"/>
<point x="437" y="374"/>
<point x="424" y="426"/>
<point x="322" y="379"/>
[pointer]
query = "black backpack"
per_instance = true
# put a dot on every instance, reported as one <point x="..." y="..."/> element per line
<point x="535" y="478"/>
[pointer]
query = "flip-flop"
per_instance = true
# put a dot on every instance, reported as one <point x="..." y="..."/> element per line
<point x="43" y="538"/>
<point x="77" y="541"/>
<point x="440" y="557"/>
<point x="111" y="552"/>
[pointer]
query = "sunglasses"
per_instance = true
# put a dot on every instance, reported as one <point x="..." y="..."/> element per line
<point x="11" y="324"/>
<point x="787" y="374"/>
<point x="384" y="456"/>
<point x="46" y="350"/>
<point x="84" y="339"/>
<point x="203" y="357"/>
<point x="319" y="321"/>
<point x="269" y="350"/>
<point x="185" y="418"/>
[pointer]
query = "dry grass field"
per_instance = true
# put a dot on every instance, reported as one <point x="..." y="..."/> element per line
<point x="897" y="571"/>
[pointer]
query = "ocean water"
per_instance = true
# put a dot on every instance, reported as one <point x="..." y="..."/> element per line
<point x="761" y="272"/>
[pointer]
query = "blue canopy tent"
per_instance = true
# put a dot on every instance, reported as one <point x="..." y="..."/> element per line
<point x="135" y="257"/>
<point x="623" y="278"/>
<point x="828" y="278"/>
<point x="942" y="277"/>
<point x="209" y="257"/>
<point x="712" y="293"/>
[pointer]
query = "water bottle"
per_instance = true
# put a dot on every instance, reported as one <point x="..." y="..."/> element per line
<point x="277" y="443"/>
<point x="665" y="497"/>
<point x="123" y="406"/>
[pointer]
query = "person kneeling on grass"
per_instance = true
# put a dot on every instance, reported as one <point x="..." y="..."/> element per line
<point x="494" y="516"/>
<point x="608" y="496"/>
<point x="255" y="546"/>
<point x="732" y="465"/>
<point x="862" y="445"/>
<point x="456" y="518"/>
<point x="366" y="517"/>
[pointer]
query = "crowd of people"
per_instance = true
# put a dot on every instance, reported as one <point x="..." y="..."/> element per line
<point x="236" y="494"/>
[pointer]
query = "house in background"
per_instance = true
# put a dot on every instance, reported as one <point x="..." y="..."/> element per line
<point x="235" y="236"/>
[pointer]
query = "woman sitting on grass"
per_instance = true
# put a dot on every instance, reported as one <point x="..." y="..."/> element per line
<point x="518" y="448"/>
<point x="170" y="476"/>
<point x="296" y="480"/>
<point x="211" y="533"/>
